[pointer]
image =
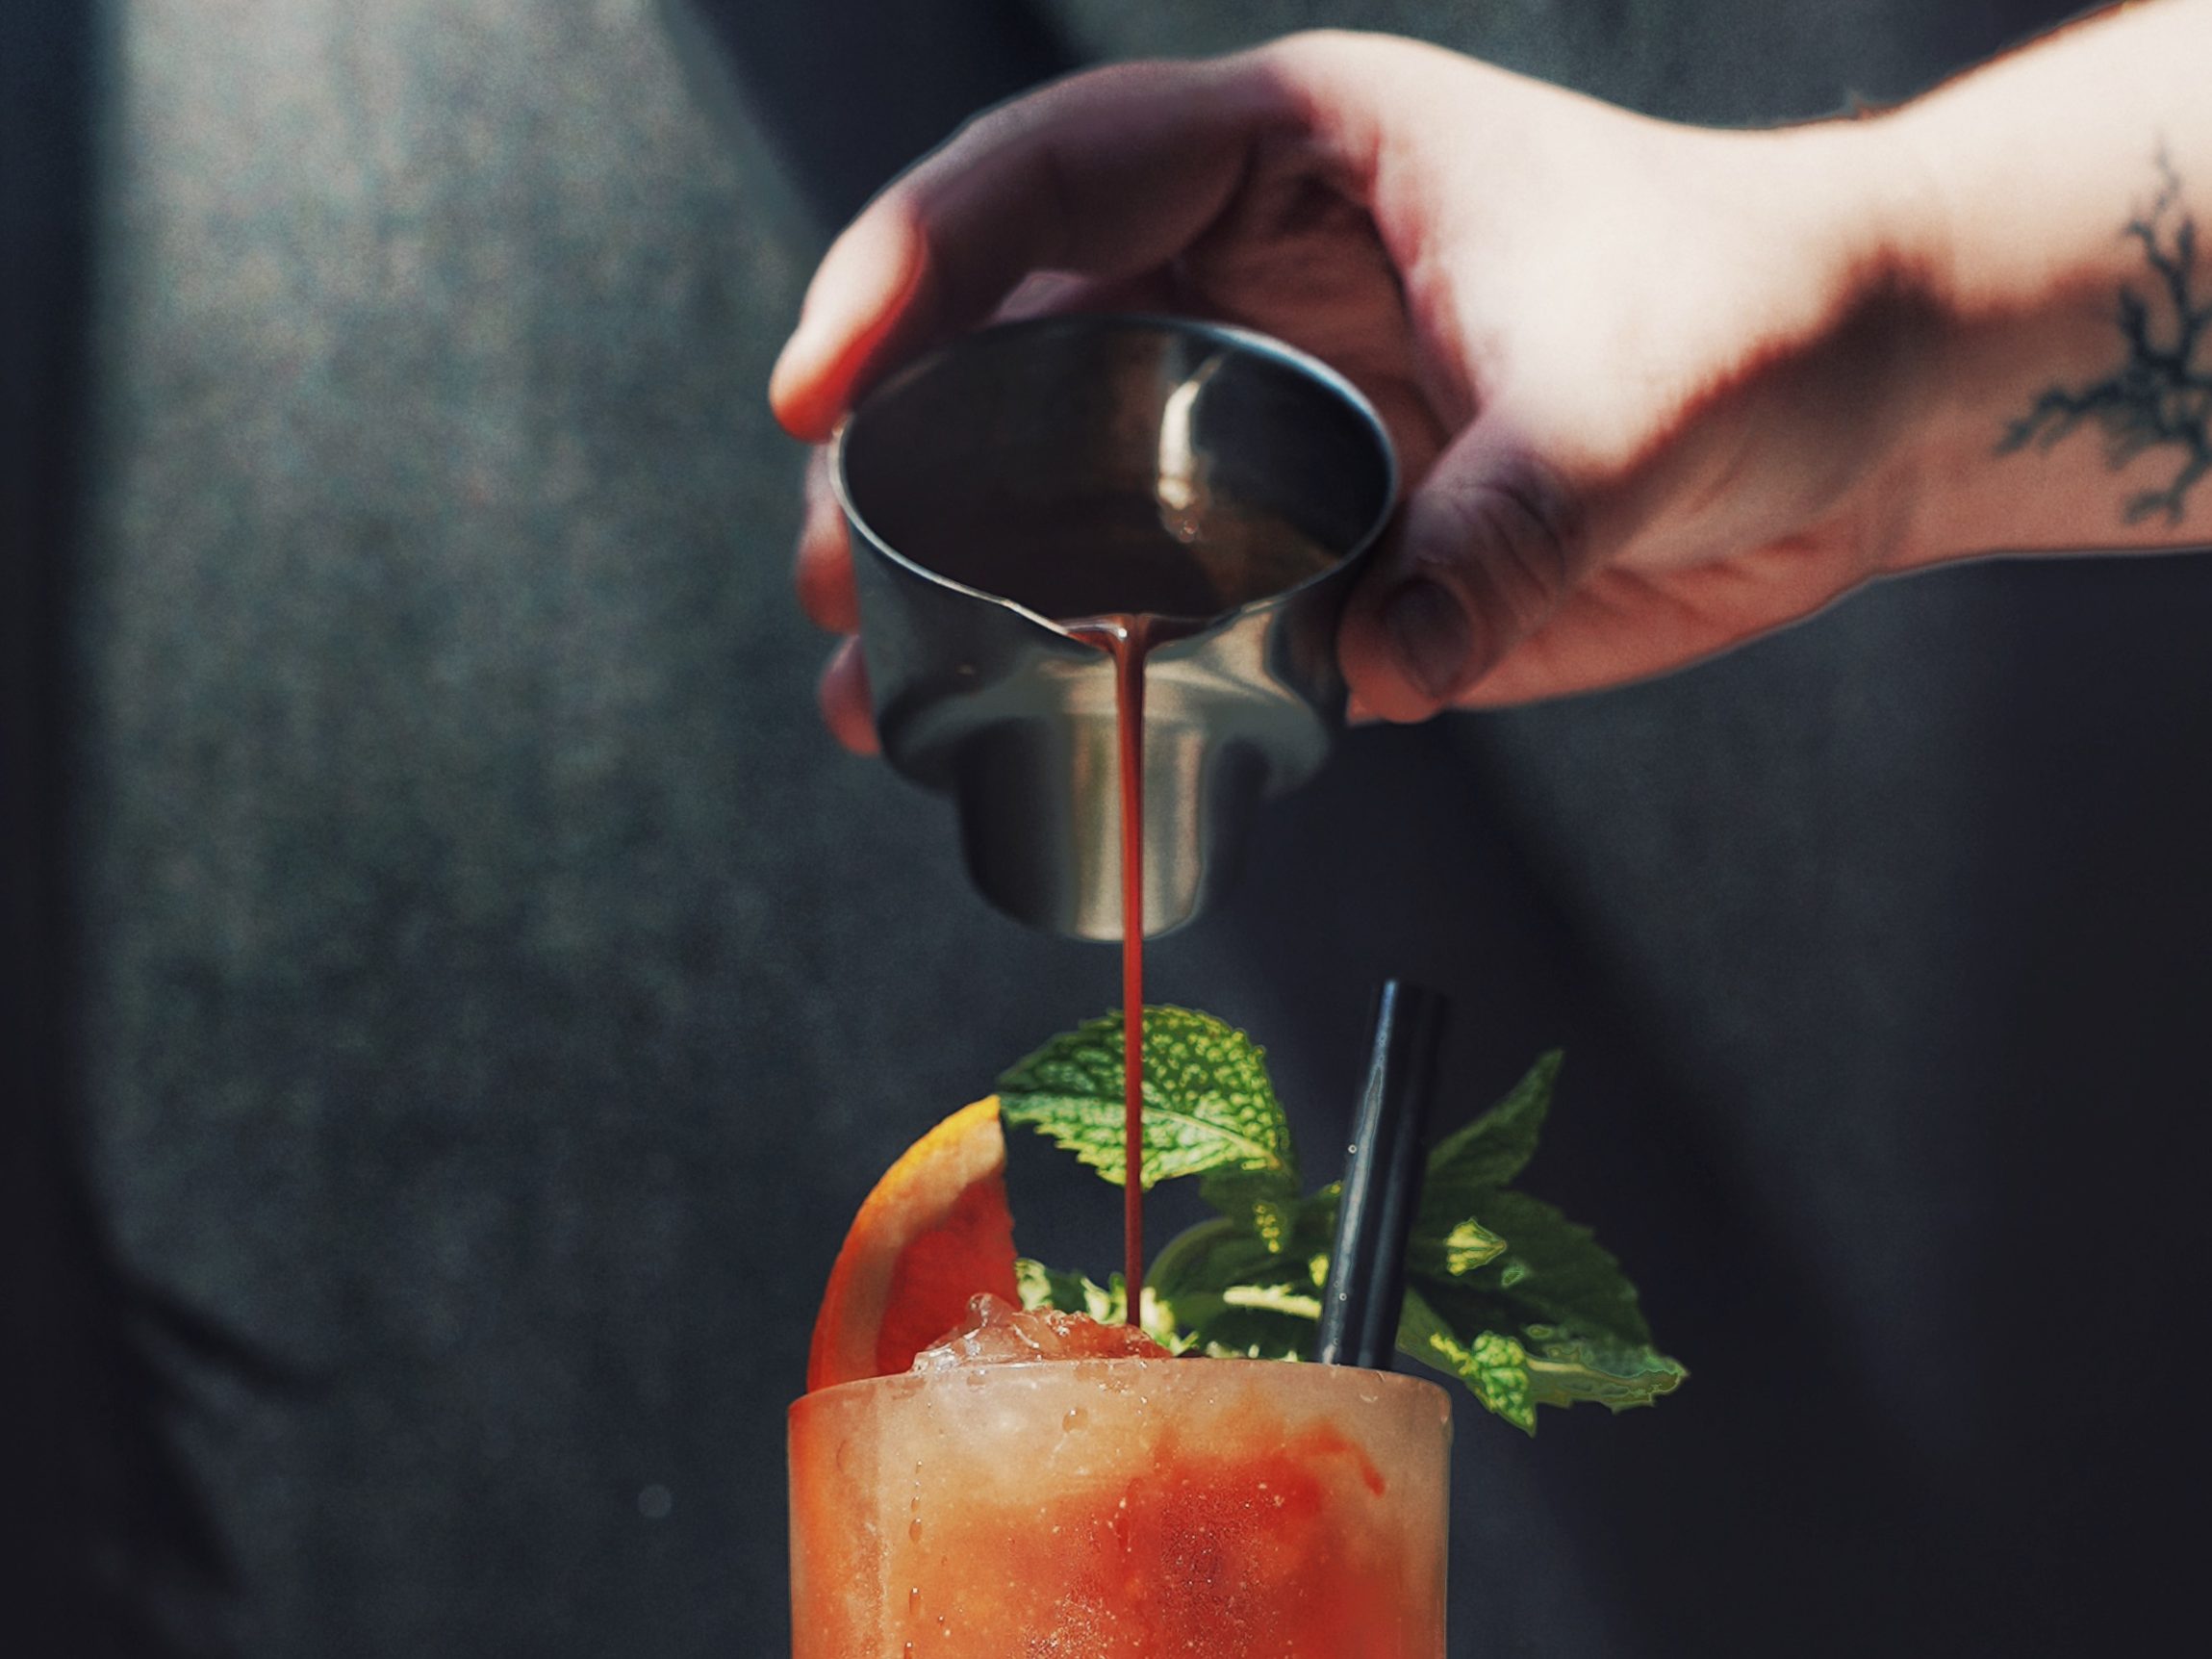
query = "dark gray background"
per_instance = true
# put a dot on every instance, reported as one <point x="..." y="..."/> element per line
<point x="459" y="995"/>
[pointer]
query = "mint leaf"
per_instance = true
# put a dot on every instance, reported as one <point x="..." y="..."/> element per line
<point x="1223" y="1287"/>
<point x="1043" y="1287"/>
<point x="1261" y="1322"/>
<point x="1507" y="1294"/>
<point x="1555" y="1273"/>
<point x="1208" y="1102"/>
<point x="1495" y="1366"/>
<point x="1567" y="1305"/>
<point x="1255" y="1200"/>
<point x="1464" y="1246"/>
<point x="1531" y="1310"/>
<point x="1617" y="1376"/>
<point x="1498" y="1371"/>
<point x="1213" y="1255"/>
<point x="1427" y="1335"/>
<point x="1285" y="1298"/>
<point x="1488" y="1152"/>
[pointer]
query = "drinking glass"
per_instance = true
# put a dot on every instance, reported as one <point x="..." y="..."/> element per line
<point x="1108" y="1509"/>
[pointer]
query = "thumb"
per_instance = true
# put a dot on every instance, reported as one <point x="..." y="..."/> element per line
<point x="1482" y="554"/>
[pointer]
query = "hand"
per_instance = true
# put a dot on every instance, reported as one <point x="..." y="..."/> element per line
<point x="1648" y="383"/>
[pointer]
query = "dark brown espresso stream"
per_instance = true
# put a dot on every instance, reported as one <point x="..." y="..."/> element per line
<point x="1116" y="576"/>
<point x="1127" y="638"/>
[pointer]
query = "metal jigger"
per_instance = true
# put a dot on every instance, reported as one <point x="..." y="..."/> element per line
<point x="1031" y="474"/>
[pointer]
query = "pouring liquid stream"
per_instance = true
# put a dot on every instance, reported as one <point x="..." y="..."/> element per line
<point x="1126" y="637"/>
<point x="1124" y="575"/>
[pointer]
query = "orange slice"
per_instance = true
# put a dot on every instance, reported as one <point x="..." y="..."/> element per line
<point x="934" y="1233"/>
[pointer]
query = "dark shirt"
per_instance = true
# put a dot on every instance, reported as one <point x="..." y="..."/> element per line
<point x="495" y="993"/>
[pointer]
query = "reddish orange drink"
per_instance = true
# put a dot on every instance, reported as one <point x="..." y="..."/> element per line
<point x="1119" y="1508"/>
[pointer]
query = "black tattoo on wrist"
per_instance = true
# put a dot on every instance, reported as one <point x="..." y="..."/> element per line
<point x="2160" y="396"/>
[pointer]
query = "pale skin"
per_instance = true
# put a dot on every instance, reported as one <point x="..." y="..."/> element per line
<point x="1656" y="389"/>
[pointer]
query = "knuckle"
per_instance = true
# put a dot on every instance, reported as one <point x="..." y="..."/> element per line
<point x="1521" y="528"/>
<point x="1320" y="46"/>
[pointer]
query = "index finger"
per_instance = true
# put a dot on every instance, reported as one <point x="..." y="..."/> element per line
<point x="1109" y="174"/>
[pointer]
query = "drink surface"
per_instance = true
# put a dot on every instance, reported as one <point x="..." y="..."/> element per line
<point x="1113" y="553"/>
<point x="1107" y="1508"/>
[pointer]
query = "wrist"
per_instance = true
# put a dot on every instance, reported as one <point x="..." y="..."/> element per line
<point x="2042" y="207"/>
<point x="1903" y="266"/>
<point x="1874" y="230"/>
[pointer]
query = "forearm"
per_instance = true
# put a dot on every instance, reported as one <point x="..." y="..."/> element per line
<point x="2062" y="231"/>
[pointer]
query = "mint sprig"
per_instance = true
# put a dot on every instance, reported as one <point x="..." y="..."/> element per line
<point x="1503" y="1292"/>
<point x="1209" y="1107"/>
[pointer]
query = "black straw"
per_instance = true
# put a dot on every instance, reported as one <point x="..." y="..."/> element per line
<point x="1382" y="1174"/>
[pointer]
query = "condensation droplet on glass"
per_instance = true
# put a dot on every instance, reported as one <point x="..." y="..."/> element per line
<point x="1075" y="1419"/>
<point x="655" y="1501"/>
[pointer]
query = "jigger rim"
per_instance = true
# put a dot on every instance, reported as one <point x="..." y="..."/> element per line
<point x="1249" y="340"/>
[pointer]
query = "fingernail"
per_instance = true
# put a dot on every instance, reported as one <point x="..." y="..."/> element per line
<point x="1429" y="633"/>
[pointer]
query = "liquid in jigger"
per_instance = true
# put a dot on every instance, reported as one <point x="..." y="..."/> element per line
<point x="1114" y="555"/>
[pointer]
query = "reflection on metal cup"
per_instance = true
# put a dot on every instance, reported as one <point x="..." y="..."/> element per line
<point x="1036" y="475"/>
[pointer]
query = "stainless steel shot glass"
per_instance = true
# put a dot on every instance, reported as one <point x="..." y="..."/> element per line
<point x="1029" y="475"/>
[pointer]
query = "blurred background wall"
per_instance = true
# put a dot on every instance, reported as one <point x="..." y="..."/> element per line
<point x="457" y="994"/>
